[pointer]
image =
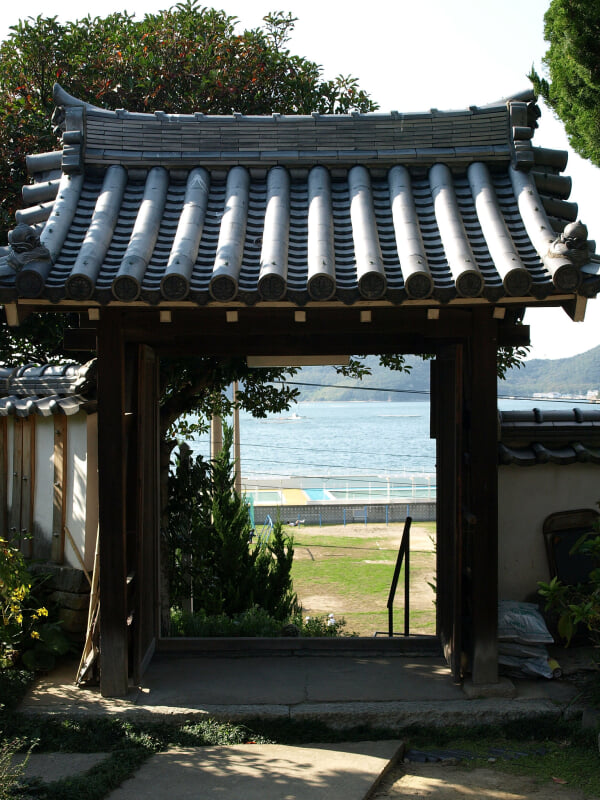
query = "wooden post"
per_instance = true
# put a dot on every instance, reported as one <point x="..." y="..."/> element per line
<point x="216" y="436"/>
<point x="483" y="494"/>
<point x="112" y="454"/>
<point x="447" y="426"/>
<point x="147" y="598"/>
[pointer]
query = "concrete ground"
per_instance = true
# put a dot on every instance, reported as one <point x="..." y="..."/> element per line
<point x="387" y="691"/>
<point x="342" y="690"/>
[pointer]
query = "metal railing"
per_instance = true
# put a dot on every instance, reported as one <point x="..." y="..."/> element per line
<point x="403" y="555"/>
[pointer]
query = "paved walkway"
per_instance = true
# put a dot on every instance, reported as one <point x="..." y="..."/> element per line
<point x="342" y="690"/>
<point x="388" y="691"/>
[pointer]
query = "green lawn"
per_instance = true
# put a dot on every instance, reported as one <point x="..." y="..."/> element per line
<point x="349" y="574"/>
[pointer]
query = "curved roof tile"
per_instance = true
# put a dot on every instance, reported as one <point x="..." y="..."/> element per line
<point x="162" y="208"/>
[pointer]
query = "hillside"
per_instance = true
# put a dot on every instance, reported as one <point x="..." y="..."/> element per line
<point x="574" y="375"/>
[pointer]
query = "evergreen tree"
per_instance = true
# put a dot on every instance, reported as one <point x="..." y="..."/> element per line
<point x="572" y="61"/>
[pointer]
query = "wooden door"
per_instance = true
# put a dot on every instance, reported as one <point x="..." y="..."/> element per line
<point x="146" y="594"/>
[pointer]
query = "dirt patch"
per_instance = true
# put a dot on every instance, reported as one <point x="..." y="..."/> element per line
<point x="363" y="603"/>
<point x="441" y="782"/>
<point x="420" y="536"/>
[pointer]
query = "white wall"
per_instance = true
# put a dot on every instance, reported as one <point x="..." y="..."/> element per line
<point x="81" y="486"/>
<point x="91" y="496"/>
<point x="77" y="467"/>
<point x="44" y="487"/>
<point x="526" y="496"/>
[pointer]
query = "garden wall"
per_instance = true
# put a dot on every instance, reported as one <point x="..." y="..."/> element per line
<point x="347" y="513"/>
<point x="526" y="496"/>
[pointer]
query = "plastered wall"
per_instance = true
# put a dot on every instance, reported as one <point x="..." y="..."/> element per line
<point x="526" y="496"/>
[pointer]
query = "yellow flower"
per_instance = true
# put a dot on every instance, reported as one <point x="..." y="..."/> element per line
<point x="35" y="635"/>
<point x="42" y="612"/>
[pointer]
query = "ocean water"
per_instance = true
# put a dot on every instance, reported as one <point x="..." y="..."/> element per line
<point x="322" y="443"/>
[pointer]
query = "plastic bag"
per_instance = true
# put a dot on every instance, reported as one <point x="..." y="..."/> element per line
<point x="522" y="622"/>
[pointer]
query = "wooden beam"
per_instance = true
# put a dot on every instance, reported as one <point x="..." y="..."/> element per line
<point x="482" y="500"/>
<point x="82" y="340"/>
<point x="112" y="498"/>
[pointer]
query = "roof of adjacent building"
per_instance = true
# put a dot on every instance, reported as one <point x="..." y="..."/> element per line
<point x="171" y="208"/>
<point x="557" y="436"/>
<point x="47" y="390"/>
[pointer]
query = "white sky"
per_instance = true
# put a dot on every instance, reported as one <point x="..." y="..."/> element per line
<point x="410" y="57"/>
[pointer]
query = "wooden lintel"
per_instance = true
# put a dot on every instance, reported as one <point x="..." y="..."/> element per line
<point x="513" y="335"/>
<point x="80" y="339"/>
<point x="274" y="331"/>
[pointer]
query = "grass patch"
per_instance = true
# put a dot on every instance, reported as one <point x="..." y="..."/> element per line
<point x="351" y="576"/>
<point x="570" y="752"/>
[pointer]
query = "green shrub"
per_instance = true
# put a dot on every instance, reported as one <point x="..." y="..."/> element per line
<point x="320" y="625"/>
<point x="211" y="559"/>
<point x="255" y="621"/>
<point x="11" y="774"/>
<point x="577" y="606"/>
<point x="27" y="634"/>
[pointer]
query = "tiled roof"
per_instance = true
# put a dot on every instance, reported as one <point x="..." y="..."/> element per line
<point x="529" y="438"/>
<point x="48" y="390"/>
<point x="162" y="208"/>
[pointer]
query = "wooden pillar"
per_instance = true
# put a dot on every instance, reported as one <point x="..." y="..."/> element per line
<point x="112" y="454"/>
<point x="483" y="495"/>
<point x="147" y="597"/>
<point x="446" y="428"/>
<point x="216" y="436"/>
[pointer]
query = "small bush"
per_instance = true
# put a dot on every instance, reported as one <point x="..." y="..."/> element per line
<point x="255" y="622"/>
<point x="11" y="774"/>
<point x="577" y="606"/>
<point x="210" y="557"/>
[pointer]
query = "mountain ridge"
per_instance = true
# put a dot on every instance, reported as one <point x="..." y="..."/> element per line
<point x="575" y="375"/>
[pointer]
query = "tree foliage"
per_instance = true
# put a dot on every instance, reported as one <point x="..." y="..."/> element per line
<point x="572" y="62"/>
<point x="183" y="59"/>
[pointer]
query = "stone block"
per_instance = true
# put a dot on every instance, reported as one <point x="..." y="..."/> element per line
<point x="71" y="600"/>
<point x="73" y="621"/>
<point x="477" y="691"/>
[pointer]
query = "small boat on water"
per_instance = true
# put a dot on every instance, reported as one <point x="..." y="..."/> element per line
<point x="291" y="418"/>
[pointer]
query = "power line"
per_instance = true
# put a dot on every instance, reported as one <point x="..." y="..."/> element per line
<point x="428" y="392"/>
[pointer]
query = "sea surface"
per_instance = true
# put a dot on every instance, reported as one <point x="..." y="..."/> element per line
<point x="375" y="441"/>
